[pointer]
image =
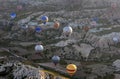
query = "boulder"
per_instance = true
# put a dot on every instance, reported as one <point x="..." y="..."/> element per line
<point x="64" y="43"/>
<point x="19" y="71"/>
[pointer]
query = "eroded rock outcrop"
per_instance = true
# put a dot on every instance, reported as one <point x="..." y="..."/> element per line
<point x="19" y="71"/>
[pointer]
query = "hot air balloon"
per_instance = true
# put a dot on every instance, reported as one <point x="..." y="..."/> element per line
<point x="19" y="7"/>
<point x="95" y="19"/>
<point x="13" y="15"/>
<point x="93" y="23"/>
<point x="115" y="39"/>
<point x="24" y="26"/>
<point x="113" y="5"/>
<point x="39" y="48"/>
<point x="55" y="59"/>
<point x="86" y="28"/>
<point x="44" y="19"/>
<point x="56" y="25"/>
<point x="38" y="29"/>
<point x="71" y="69"/>
<point x="67" y="30"/>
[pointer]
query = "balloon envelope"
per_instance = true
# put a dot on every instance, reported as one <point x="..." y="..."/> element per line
<point x="38" y="29"/>
<point x="44" y="18"/>
<point x="24" y="26"/>
<point x="95" y="19"/>
<point x="86" y="28"/>
<point x="39" y="48"/>
<point x="67" y="30"/>
<point x="115" y="39"/>
<point x="13" y="15"/>
<point x="113" y="5"/>
<point x="56" y="25"/>
<point x="55" y="59"/>
<point x="19" y="7"/>
<point x="71" y="69"/>
<point x="93" y="23"/>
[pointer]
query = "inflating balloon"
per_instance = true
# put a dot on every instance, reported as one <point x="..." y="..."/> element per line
<point x="55" y="60"/>
<point x="13" y="15"/>
<point x="71" y="69"/>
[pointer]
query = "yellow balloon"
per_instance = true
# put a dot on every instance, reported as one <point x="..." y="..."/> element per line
<point x="71" y="69"/>
<point x="46" y="19"/>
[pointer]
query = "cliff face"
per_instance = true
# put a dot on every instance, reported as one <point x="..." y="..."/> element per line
<point x="18" y="71"/>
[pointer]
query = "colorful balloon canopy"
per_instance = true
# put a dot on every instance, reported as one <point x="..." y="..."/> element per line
<point x="39" y="48"/>
<point x="67" y="30"/>
<point x="56" y="25"/>
<point x="44" y="19"/>
<point x="55" y="59"/>
<point x="71" y="69"/>
<point x="38" y="29"/>
<point x="13" y="15"/>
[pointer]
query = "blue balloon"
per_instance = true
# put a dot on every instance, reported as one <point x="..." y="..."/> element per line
<point x="95" y="19"/>
<point x="13" y="15"/>
<point x="38" y="29"/>
<point x="55" y="59"/>
<point x="44" y="18"/>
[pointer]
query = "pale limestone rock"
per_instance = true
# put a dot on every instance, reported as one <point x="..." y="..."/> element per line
<point x="84" y="49"/>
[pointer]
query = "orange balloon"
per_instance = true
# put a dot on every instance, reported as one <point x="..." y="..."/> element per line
<point x="86" y="28"/>
<point x="56" y="25"/>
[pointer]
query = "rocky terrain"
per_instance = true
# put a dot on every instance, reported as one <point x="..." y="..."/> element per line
<point x="94" y="52"/>
<point x="19" y="71"/>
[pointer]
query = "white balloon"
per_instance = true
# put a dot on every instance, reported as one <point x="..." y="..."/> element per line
<point x="67" y="29"/>
<point x="93" y="23"/>
<point x="115" y="39"/>
<point x="39" y="48"/>
<point x="24" y="26"/>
